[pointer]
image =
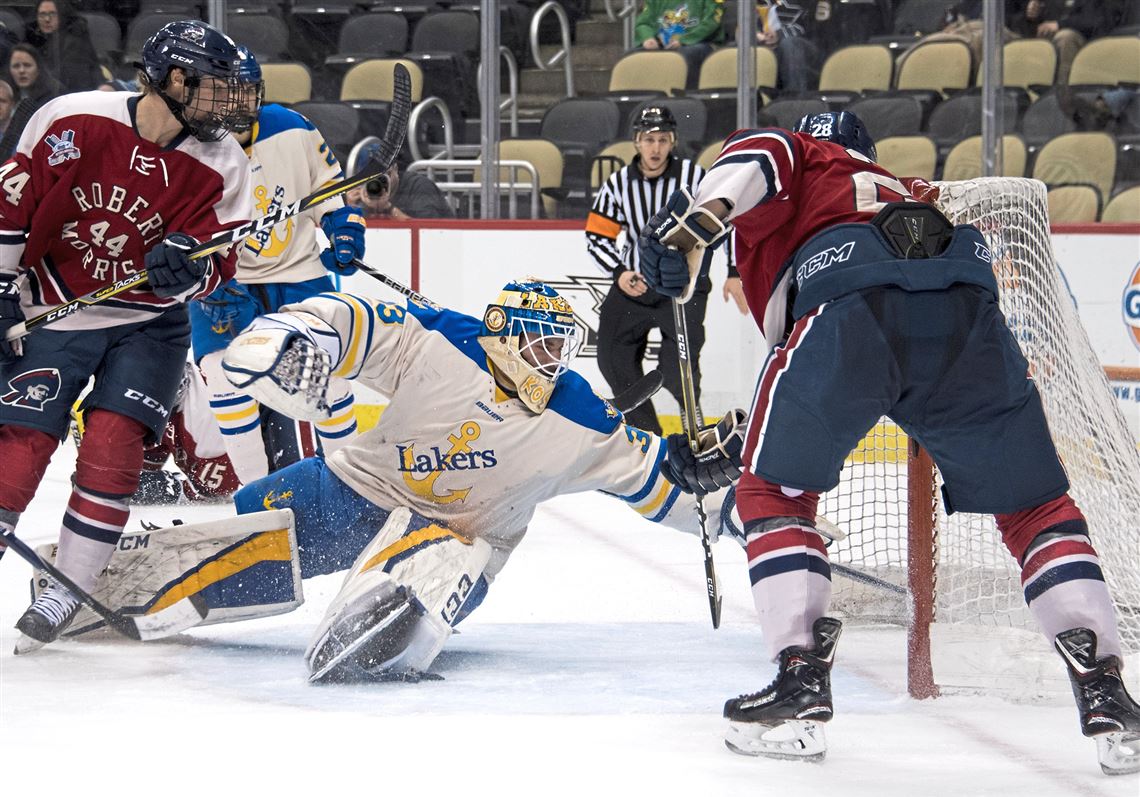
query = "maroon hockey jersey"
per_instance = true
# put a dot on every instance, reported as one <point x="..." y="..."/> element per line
<point x="784" y="188"/>
<point x="85" y="198"/>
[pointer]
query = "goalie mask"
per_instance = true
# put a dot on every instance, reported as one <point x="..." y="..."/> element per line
<point x="530" y="335"/>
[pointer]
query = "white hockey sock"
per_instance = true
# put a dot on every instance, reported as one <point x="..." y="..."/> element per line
<point x="339" y="429"/>
<point x="239" y="420"/>
<point x="791" y="584"/>
<point x="1064" y="588"/>
<point x="91" y="529"/>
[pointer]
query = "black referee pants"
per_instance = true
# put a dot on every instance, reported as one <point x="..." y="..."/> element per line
<point x="623" y="336"/>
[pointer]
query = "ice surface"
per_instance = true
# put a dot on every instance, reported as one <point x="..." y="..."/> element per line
<point x="591" y="669"/>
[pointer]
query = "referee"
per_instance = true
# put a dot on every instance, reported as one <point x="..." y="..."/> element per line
<point x="631" y="309"/>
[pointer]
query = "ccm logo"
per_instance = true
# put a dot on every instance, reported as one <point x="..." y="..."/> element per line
<point x="147" y="401"/>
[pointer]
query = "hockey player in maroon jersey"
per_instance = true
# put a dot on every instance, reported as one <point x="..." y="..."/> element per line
<point x="101" y="186"/>
<point x="873" y="304"/>
<point x="194" y="443"/>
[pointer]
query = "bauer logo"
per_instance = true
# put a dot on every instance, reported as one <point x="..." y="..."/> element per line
<point x="1132" y="306"/>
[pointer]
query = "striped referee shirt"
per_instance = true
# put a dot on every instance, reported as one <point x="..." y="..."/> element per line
<point x="625" y="203"/>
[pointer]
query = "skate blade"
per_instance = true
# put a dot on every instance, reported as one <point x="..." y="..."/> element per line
<point x="25" y="645"/>
<point x="793" y="740"/>
<point x="1118" y="753"/>
<point x="353" y="647"/>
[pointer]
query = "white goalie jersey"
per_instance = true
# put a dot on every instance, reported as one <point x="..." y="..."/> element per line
<point x="453" y="446"/>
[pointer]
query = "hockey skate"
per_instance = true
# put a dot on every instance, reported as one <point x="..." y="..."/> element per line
<point x="786" y="719"/>
<point x="48" y="616"/>
<point x="1108" y="713"/>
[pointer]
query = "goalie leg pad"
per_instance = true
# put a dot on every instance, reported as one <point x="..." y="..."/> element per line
<point x="414" y="569"/>
<point x="242" y="568"/>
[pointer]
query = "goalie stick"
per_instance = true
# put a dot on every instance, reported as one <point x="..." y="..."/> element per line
<point x="376" y="166"/>
<point x="691" y="415"/>
<point x="627" y="400"/>
<point x="173" y="619"/>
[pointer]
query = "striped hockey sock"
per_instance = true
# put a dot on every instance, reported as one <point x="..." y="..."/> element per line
<point x="340" y="428"/>
<point x="1065" y="589"/>
<point x="92" y="525"/>
<point x="791" y="580"/>
<point x="239" y="420"/>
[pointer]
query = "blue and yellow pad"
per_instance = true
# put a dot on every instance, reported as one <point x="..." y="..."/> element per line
<point x="244" y="567"/>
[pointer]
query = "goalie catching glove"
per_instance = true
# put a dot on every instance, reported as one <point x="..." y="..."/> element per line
<point x="674" y="230"/>
<point x="284" y="362"/>
<point x="716" y="464"/>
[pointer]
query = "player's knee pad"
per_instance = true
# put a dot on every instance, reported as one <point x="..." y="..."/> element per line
<point x="397" y="605"/>
<point x="111" y="454"/>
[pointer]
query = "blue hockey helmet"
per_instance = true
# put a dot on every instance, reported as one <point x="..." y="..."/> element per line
<point x="843" y="128"/>
<point x="202" y="52"/>
<point x="531" y="335"/>
<point x="252" y="90"/>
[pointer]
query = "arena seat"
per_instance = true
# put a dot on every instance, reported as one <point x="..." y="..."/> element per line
<point x="1078" y="158"/>
<point x="857" y="68"/>
<point x="938" y="66"/>
<point x="338" y="122"/>
<point x="267" y="35"/>
<point x="908" y="156"/>
<point x="785" y="113"/>
<point x="547" y="160"/>
<point x="649" y="71"/>
<point x="1109" y="61"/>
<point x="1073" y="204"/>
<point x="889" y="114"/>
<point x="1026" y="63"/>
<point x="718" y="71"/>
<point x="965" y="160"/>
<point x="287" y="83"/>
<point x="379" y="34"/>
<point x="1124" y="207"/>
<point x="106" y="35"/>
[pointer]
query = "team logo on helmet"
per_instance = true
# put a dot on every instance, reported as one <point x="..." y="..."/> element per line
<point x="32" y="389"/>
<point x="1131" y="301"/>
<point x="195" y="33"/>
<point x="495" y="319"/>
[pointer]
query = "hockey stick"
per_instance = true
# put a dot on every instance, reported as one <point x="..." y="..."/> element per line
<point x="691" y="415"/>
<point x="376" y="166"/>
<point x="173" y="619"/>
<point x="629" y="399"/>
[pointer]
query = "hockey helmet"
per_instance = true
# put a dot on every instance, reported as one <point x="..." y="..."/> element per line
<point x="202" y="52"/>
<point x="252" y="87"/>
<point x="843" y="128"/>
<point x="655" y="119"/>
<point x="531" y="335"/>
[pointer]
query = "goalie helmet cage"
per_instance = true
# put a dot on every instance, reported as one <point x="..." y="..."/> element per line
<point x="964" y="601"/>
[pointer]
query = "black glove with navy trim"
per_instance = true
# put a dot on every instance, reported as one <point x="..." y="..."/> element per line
<point x="716" y="465"/>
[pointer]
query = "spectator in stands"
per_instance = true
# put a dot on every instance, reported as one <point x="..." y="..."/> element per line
<point x="62" y="38"/>
<point x="1085" y="20"/>
<point x="691" y="27"/>
<point x="410" y="195"/>
<point x="1022" y="17"/>
<point x="797" y="57"/>
<point x="34" y="86"/>
<point x="832" y="24"/>
<point x="7" y="105"/>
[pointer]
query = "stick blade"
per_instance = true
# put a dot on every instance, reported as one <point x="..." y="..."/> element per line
<point x="639" y="392"/>
<point x="397" y="126"/>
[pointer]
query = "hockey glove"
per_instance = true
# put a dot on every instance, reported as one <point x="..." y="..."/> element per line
<point x="230" y="308"/>
<point x="11" y="314"/>
<point x="678" y="225"/>
<point x="665" y="269"/>
<point x="169" y="268"/>
<point x="345" y="230"/>
<point x="717" y="464"/>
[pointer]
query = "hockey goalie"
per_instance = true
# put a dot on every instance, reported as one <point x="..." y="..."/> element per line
<point x="485" y="421"/>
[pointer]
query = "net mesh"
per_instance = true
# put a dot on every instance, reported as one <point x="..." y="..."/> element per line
<point x="976" y="580"/>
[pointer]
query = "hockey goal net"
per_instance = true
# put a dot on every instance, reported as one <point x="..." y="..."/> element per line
<point x="949" y="579"/>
